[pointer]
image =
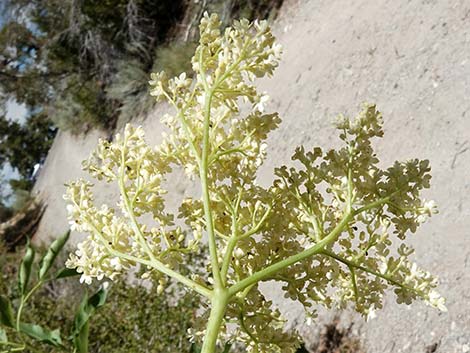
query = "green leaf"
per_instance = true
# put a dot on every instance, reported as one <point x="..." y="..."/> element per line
<point x="195" y="348"/>
<point x="227" y="347"/>
<point x="41" y="334"/>
<point x="6" y="313"/>
<point x="48" y="260"/>
<point x="25" y="269"/>
<point x="301" y="349"/>
<point x="3" y="335"/>
<point x="66" y="272"/>
<point x="81" y="323"/>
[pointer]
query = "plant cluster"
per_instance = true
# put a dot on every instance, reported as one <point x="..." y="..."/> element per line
<point x="52" y="302"/>
<point x="331" y="228"/>
<point x="11" y="321"/>
<point x="81" y="64"/>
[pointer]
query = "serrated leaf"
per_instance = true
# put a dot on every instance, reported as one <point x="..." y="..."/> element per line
<point x="41" y="334"/>
<point x="86" y="309"/>
<point x="25" y="269"/>
<point x="3" y="335"/>
<point x="6" y="312"/>
<point x="66" y="272"/>
<point x="48" y="260"/>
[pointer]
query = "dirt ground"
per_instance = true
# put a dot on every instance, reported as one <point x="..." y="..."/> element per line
<point x="411" y="58"/>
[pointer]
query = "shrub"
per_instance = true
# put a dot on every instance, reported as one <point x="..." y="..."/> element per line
<point x="331" y="228"/>
<point x="124" y="327"/>
<point x="129" y="86"/>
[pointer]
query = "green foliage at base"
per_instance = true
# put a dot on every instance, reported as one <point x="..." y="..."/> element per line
<point x="140" y="320"/>
<point x="135" y="319"/>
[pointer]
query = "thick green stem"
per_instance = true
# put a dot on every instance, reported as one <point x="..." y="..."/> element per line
<point x="274" y="268"/>
<point x="203" y="171"/>
<point x="219" y="305"/>
<point x="376" y="203"/>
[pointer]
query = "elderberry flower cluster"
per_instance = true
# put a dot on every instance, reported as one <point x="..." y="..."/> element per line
<point x="331" y="228"/>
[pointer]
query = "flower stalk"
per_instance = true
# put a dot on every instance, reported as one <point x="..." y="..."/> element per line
<point x="334" y="219"/>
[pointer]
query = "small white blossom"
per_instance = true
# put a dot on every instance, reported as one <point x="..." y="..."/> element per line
<point x="339" y="205"/>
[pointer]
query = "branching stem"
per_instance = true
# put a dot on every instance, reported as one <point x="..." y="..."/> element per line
<point x="354" y="265"/>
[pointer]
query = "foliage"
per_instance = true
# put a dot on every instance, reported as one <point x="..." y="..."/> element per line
<point x="22" y="146"/>
<point x="14" y="323"/>
<point x="83" y="64"/>
<point x="83" y="106"/>
<point x="129" y="85"/>
<point x="249" y="9"/>
<point x="59" y="57"/>
<point x="65" y="56"/>
<point x="330" y="229"/>
<point x="139" y="320"/>
<point x="123" y="327"/>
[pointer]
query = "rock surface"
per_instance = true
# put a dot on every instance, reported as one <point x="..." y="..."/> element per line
<point x="411" y="58"/>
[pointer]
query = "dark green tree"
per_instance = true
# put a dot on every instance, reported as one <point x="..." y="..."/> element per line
<point x="79" y="64"/>
<point x="22" y="146"/>
<point x="64" y="56"/>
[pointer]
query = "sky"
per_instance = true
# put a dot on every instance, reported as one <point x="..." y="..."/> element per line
<point x="14" y="112"/>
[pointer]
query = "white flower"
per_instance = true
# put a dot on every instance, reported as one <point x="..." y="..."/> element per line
<point x="422" y="218"/>
<point x="437" y="301"/>
<point x="260" y="105"/>
<point x="239" y="253"/>
<point x="371" y="314"/>
<point x="116" y="263"/>
<point x="430" y="207"/>
<point x="86" y="279"/>
<point x="309" y="321"/>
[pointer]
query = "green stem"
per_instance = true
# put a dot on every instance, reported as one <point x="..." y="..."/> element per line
<point x="354" y="283"/>
<point x="18" y="346"/>
<point x="227" y="258"/>
<point x="219" y="305"/>
<point x="278" y="266"/>
<point x="376" y="203"/>
<point x="258" y="226"/>
<point x="153" y="261"/>
<point x="159" y="266"/>
<point x="315" y="249"/>
<point x="352" y="264"/>
<point x="203" y="171"/>
<point x="23" y="302"/>
<point x="184" y="123"/>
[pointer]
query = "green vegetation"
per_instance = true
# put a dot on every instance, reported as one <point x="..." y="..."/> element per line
<point x="23" y="145"/>
<point x="77" y="65"/>
<point x="331" y="229"/>
<point x="124" y="327"/>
